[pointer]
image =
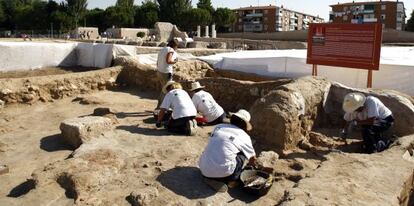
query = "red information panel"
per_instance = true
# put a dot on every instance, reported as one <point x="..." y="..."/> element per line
<point x="345" y="45"/>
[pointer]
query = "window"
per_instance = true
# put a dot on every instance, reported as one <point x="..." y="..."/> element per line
<point x="383" y="16"/>
<point x="345" y="8"/>
<point x="369" y="7"/>
<point x="265" y="27"/>
<point x="345" y="18"/>
<point x="240" y="27"/>
<point x="240" y="20"/>
<point x="383" y="7"/>
<point x="265" y="19"/>
<point x="266" y="11"/>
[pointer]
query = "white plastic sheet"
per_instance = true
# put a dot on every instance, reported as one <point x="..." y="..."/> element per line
<point x="396" y="69"/>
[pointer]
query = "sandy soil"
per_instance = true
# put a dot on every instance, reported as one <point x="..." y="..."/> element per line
<point x="43" y="72"/>
<point x="30" y="138"/>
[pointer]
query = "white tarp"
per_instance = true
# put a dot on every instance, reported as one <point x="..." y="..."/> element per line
<point x="32" y="55"/>
<point x="396" y="69"/>
<point x="35" y="55"/>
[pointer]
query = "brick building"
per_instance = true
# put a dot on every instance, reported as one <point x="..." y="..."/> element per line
<point x="271" y="19"/>
<point x="390" y="13"/>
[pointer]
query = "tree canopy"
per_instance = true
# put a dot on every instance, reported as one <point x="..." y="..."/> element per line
<point x="410" y="23"/>
<point x="224" y="18"/>
<point x="65" y="16"/>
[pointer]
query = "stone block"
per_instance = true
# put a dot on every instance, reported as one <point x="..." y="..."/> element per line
<point x="76" y="131"/>
<point x="198" y="44"/>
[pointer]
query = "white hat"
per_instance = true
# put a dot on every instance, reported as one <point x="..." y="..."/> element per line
<point x="196" y="85"/>
<point x="353" y="101"/>
<point x="245" y="116"/>
<point x="169" y="83"/>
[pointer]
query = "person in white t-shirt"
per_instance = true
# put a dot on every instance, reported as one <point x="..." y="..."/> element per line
<point x="372" y="115"/>
<point x="167" y="57"/>
<point x="206" y="105"/>
<point x="228" y="149"/>
<point x="183" y="115"/>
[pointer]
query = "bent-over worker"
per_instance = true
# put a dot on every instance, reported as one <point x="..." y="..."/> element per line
<point x="206" y="105"/>
<point x="182" y="120"/>
<point x="372" y="115"/>
<point x="228" y="149"/>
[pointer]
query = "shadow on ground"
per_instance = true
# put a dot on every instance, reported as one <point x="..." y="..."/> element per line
<point x="122" y="115"/>
<point x="186" y="181"/>
<point x="22" y="189"/>
<point x="134" y="129"/>
<point x="54" y="143"/>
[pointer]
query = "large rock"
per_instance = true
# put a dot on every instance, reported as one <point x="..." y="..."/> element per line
<point x="77" y="131"/>
<point x="166" y="31"/>
<point x="283" y="118"/>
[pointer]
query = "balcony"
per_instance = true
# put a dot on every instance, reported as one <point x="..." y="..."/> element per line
<point x="370" y="20"/>
<point x="255" y="15"/>
<point x="367" y="11"/>
<point x="249" y="27"/>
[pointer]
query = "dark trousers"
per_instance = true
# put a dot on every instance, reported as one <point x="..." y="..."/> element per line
<point x="163" y="78"/>
<point x="372" y="135"/>
<point x="179" y="125"/>
<point x="219" y="120"/>
<point x="240" y="159"/>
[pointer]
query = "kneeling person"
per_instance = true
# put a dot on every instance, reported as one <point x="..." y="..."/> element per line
<point x="206" y="105"/>
<point x="372" y="115"/>
<point x="183" y="111"/>
<point x="229" y="147"/>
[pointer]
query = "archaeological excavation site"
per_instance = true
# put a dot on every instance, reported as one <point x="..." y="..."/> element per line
<point x="82" y="132"/>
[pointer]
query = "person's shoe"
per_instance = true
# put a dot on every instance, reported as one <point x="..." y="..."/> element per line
<point x="216" y="185"/>
<point x="191" y="127"/>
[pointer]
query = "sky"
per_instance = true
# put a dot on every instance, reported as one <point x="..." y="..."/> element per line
<point x="313" y="7"/>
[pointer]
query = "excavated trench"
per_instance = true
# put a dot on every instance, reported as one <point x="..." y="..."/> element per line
<point x="320" y="125"/>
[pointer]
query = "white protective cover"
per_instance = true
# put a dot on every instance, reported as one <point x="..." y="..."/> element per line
<point x="396" y="67"/>
<point x="34" y="55"/>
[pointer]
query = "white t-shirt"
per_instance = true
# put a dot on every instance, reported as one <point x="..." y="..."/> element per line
<point x="162" y="65"/>
<point x="219" y="158"/>
<point x="180" y="102"/>
<point x="373" y="107"/>
<point x="206" y="105"/>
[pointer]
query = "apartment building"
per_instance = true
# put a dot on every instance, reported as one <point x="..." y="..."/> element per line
<point x="390" y="13"/>
<point x="271" y="19"/>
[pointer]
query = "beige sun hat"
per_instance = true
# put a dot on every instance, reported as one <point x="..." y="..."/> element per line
<point x="169" y="83"/>
<point x="196" y="85"/>
<point x="245" y="116"/>
<point x="353" y="101"/>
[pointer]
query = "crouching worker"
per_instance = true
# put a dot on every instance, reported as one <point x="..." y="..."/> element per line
<point x="183" y="111"/>
<point x="205" y="104"/>
<point x="229" y="148"/>
<point x="370" y="114"/>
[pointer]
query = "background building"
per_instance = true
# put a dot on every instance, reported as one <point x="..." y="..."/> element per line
<point x="271" y="19"/>
<point x="391" y="13"/>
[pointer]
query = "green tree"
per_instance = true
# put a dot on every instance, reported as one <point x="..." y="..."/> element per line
<point x="410" y="23"/>
<point x="125" y="3"/>
<point x="195" y="17"/>
<point x="206" y="4"/>
<point x="173" y="10"/>
<point x="9" y="10"/>
<point x="224" y="19"/>
<point x="95" y="18"/>
<point x="146" y="15"/>
<point x="118" y="16"/>
<point x="76" y="9"/>
<point x="2" y="15"/>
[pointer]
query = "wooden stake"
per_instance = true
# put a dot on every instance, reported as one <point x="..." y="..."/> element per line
<point x="314" y="70"/>
<point x="369" y="80"/>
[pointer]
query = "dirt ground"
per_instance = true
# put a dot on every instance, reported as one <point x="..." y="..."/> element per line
<point x="30" y="138"/>
<point x="43" y="72"/>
